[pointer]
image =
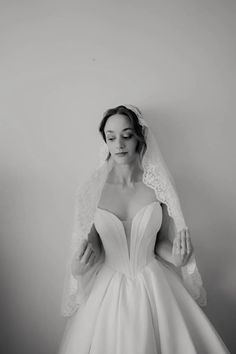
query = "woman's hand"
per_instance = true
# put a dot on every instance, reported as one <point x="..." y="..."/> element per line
<point x="182" y="248"/>
<point x="84" y="258"/>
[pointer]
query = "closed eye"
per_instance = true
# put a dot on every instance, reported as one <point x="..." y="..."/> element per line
<point x="125" y="137"/>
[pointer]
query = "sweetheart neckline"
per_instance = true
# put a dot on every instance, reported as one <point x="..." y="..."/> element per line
<point x="130" y="219"/>
<point x="129" y="246"/>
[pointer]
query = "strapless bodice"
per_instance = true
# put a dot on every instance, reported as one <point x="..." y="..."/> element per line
<point x="141" y="231"/>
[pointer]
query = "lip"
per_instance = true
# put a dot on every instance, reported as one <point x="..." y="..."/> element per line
<point x="121" y="153"/>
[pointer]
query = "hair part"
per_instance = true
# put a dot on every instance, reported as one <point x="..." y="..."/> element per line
<point x="137" y="127"/>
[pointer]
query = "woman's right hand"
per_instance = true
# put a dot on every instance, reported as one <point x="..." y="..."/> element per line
<point x="84" y="258"/>
<point x="182" y="248"/>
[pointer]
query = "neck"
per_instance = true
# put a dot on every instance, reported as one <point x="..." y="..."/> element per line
<point x="127" y="174"/>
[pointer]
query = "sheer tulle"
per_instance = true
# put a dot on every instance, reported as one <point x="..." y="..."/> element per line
<point x="156" y="176"/>
<point x="86" y="203"/>
<point x="136" y="303"/>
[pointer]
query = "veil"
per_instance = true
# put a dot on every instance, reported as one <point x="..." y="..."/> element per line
<point x="156" y="176"/>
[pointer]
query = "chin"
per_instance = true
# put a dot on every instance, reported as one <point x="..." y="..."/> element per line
<point x="121" y="161"/>
<point x="124" y="160"/>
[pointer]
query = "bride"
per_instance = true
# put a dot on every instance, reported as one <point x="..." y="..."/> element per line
<point x="132" y="285"/>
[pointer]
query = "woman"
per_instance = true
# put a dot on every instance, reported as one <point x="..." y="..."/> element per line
<point x="132" y="282"/>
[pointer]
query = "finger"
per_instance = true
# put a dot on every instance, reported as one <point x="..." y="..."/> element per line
<point x="189" y="247"/>
<point x="92" y="258"/>
<point x="79" y="253"/>
<point x="176" y="246"/>
<point x="84" y="245"/>
<point x="86" y="254"/>
<point x="88" y="248"/>
<point x="188" y="244"/>
<point x="90" y="252"/>
<point x="183" y="243"/>
<point x="179" y="243"/>
<point x="184" y="235"/>
<point x="91" y="247"/>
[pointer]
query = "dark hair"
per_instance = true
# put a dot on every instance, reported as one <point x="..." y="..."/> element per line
<point x="141" y="146"/>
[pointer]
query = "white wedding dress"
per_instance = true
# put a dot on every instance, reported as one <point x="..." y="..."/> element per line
<point x="138" y="304"/>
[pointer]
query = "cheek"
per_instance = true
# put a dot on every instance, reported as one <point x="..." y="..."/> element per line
<point x="133" y="144"/>
<point x="110" y="146"/>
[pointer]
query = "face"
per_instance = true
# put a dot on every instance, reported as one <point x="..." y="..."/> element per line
<point x="120" y="138"/>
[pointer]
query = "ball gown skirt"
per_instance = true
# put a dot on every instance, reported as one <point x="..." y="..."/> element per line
<point x="138" y="303"/>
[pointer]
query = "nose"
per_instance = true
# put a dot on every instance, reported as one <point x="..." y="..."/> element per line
<point x="120" y="144"/>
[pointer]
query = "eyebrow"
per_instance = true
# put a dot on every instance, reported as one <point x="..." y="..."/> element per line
<point x="112" y="131"/>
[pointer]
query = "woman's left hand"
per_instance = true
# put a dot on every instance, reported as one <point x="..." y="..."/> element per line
<point x="182" y="248"/>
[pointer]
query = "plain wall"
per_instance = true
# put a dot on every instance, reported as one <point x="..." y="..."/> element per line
<point x="63" y="63"/>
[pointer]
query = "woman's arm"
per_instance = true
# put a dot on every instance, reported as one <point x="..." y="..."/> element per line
<point x="173" y="249"/>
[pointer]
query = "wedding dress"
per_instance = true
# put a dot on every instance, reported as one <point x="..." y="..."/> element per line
<point x="137" y="303"/>
<point x="132" y="301"/>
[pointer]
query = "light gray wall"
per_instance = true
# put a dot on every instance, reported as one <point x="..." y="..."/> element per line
<point x="62" y="64"/>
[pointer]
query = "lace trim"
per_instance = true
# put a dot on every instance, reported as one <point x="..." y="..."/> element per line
<point x="76" y="291"/>
<point x="164" y="192"/>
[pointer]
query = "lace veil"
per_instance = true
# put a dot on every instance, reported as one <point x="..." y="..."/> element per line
<point x="156" y="176"/>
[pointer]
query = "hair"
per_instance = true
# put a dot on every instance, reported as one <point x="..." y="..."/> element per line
<point x="138" y="132"/>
